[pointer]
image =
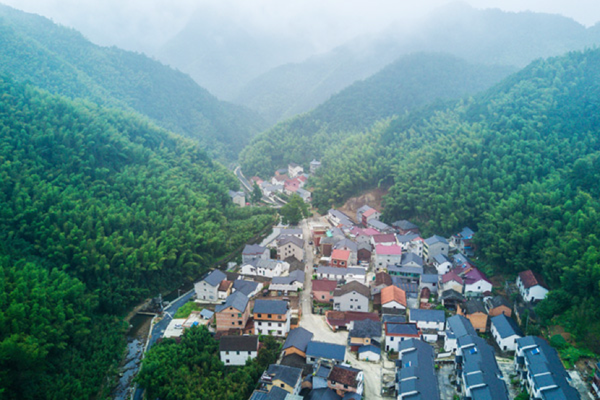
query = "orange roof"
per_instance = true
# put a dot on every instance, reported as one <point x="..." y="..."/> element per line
<point x="393" y="293"/>
<point x="369" y="212"/>
<point x="340" y="254"/>
<point x="224" y="286"/>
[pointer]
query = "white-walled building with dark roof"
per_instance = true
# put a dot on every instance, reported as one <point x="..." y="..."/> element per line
<point x="505" y="332"/>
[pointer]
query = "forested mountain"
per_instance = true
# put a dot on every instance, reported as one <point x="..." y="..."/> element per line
<point x="520" y="162"/>
<point x="62" y="61"/>
<point x="98" y="209"/>
<point x="410" y="82"/>
<point x="488" y="36"/>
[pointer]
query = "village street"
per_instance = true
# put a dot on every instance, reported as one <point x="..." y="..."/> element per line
<point x="317" y="325"/>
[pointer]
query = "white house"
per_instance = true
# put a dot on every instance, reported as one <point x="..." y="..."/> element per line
<point x="266" y="268"/>
<point x="442" y="263"/>
<point x="457" y="326"/>
<point x="291" y="283"/>
<point x="294" y="170"/>
<point x="353" y="296"/>
<point x="476" y="283"/>
<point x="433" y="246"/>
<point x="207" y="289"/>
<point x="235" y="350"/>
<point x="428" y="319"/>
<point x="369" y="352"/>
<point x="387" y="255"/>
<point x="290" y="246"/>
<point x="506" y="332"/>
<point x="271" y="317"/>
<point x="531" y="286"/>
<point x="397" y="333"/>
<point x="357" y="274"/>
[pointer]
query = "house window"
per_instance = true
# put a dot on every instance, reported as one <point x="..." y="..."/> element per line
<point x="239" y="322"/>
<point x="258" y="315"/>
<point x="281" y="384"/>
<point x="268" y="315"/>
<point x="279" y="316"/>
<point x="239" y="315"/>
<point x="237" y="352"/>
<point x="226" y="361"/>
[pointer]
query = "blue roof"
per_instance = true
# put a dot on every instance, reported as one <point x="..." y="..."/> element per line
<point x="270" y="307"/>
<point x="399" y="319"/>
<point x="253" y="249"/>
<point x="238" y="300"/>
<point x="369" y="347"/>
<point x="323" y="394"/>
<point x="430" y="278"/>
<point x="215" y="277"/>
<point x="288" y="375"/>
<point x="207" y="314"/>
<point x="427" y="315"/>
<point x="506" y="326"/>
<point x="325" y="350"/>
<point x="460" y="326"/>
<point x="411" y="257"/>
<point x="298" y="338"/>
<point x="467" y="233"/>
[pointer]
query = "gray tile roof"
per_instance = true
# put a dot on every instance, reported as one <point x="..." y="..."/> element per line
<point x="268" y="264"/>
<point x="290" y="231"/>
<point x="474" y="306"/>
<point x="402" y="329"/>
<point x="543" y="360"/>
<point x="417" y="371"/>
<point x="238" y="343"/>
<point x="498" y="301"/>
<point x="460" y="326"/>
<point x="506" y="326"/>
<point x="253" y="249"/>
<point x="237" y="300"/>
<point x="352" y="287"/>
<point x="406" y="238"/>
<point x="328" y="351"/>
<point x="430" y="278"/>
<point x="398" y="319"/>
<point x="381" y="226"/>
<point x="215" y="277"/>
<point x="411" y="258"/>
<point x="480" y="368"/>
<point x="435" y="239"/>
<point x="366" y="329"/>
<point x="294" y="276"/>
<point x="346" y="243"/>
<point x="288" y="375"/>
<point x="290" y="239"/>
<point x="270" y="307"/>
<point x="323" y="394"/>
<point x="245" y="287"/>
<point x="298" y="338"/>
<point x="370" y="347"/>
<point x="427" y="315"/>
<point x="340" y="271"/>
<point x="404" y="225"/>
<point x="440" y="259"/>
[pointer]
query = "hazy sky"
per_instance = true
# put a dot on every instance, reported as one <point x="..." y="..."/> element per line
<point x="145" y="24"/>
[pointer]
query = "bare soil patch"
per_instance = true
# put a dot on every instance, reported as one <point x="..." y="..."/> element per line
<point x="371" y="198"/>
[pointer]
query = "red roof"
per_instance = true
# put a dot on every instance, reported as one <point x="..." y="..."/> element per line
<point x="323" y="285"/>
<point x="393" y="293"/>
<point x="388" y="250"/>
<point x="292" y="184"/>
<point x="356" y="231"/>
<point x="340" y="255"/>
<point x="302" y="178"/>
<point x="384" y="238"/>
<point x="224" y="286"/>
<point x="369" y="212"/>
<point x="451" y="276"/>
<point x="338" y="318"/>
<point x="530" y="279"/>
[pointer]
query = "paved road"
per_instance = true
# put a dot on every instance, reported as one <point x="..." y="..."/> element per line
<point x="159" y="328"/>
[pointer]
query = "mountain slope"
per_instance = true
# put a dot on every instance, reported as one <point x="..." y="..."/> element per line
<point x="518" y="163"/>
<point x="489" y="36"/>
<point x="410" y="82"/>
<point x="62" y="61"/>
<point x="98" y="210"/>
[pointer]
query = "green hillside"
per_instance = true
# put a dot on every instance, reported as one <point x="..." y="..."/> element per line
<point x="98" y="210"/>
<point x="489" y="36"/>
<point x="408" y="83"/>
<point x="520" y="162"/>
<point x="62" y="61"/>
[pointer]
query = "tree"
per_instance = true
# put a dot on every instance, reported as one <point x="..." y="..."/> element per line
<point x="294" y="211"/>
<point x="256" y="194"/>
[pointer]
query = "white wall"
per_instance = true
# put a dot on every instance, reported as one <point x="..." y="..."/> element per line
<point x="506" y="344"/>
<point x="478" y="287"/>
<point x="236" y="357"/>
<point x="205" y="292"/>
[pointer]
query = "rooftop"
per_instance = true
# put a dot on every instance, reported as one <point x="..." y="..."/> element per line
<point x="324" y="285"/>
<point x="506" y="326"/>
<point x="288" y="375"/>
<point x="530" y="279"/>
<point x="271" y="307"/>
<point x="340" y="254"/>
<point x="406" y="329"/>
<point x="384" y="238"/>
<point x="427" y="315"/>
<point x="253" y="249"/>
<point x="366" y="329"/>
<point x="298" y="338"/>
<point x="435" y="239"/>
<point x="215" y="277"/>
<point x="237" y="300"/>
<point x="388" y="250"/>
<point x="328" y="351"/>
<point x="473" y="306"/>
<point x="404" y="225"/>
<point x="290" y="239"/>
<point x="345" y="375"/>
<point x="245" y="287"/>
<point x="353" y="287"/>
<point x="238" y="343"/>
<point x="393" y="293"/>
<point x="460" y="326"/>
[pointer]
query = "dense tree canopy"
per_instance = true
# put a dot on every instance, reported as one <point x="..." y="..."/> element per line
<point x="192" y="369"/>
<point x="406" y="84"/>
<point x="62" y="61"/>
<point x="98" y="209"/>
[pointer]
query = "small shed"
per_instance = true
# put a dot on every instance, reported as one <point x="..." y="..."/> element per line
<point x="369" y="352"/>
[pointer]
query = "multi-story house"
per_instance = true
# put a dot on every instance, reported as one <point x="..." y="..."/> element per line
<point x="271" y="317"/>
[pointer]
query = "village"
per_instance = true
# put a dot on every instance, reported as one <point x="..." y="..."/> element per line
<point x="369" y="310"/>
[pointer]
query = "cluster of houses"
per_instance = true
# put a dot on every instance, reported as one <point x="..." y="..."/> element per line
<point x="383" y="284"/>
<point x="289" y="181"/>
